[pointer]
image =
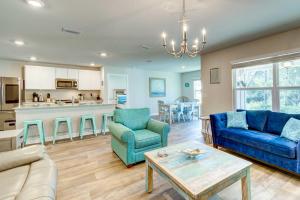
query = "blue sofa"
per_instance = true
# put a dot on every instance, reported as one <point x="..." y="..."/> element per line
<point x="261" y="141"/>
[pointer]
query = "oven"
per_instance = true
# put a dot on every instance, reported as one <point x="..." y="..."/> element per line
<point x="9" y="99"/>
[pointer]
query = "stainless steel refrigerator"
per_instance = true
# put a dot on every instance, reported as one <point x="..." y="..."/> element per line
<point x="9" y="99"/>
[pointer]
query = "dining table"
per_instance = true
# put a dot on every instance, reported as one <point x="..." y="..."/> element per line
<point x="174" y="105"/>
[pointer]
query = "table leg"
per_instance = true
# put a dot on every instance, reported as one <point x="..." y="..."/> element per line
<point x="149" y="178"/>
<point x="246" y="190"/>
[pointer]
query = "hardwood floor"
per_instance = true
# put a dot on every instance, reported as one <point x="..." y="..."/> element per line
<point x="89" y="170"/>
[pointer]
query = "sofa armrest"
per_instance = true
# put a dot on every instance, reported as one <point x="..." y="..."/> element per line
<point x="19" y="157"/>
<point x="121" y="132"/>
<point x="218" y="121"/>
<point x="159" y="127"/>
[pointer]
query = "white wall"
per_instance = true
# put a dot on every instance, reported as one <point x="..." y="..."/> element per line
<point x="189" y="77"/>
<point x="218" y="97"/>
<point x="138" y="86"/>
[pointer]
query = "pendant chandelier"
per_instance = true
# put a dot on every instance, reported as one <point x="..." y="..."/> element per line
<point x="184" y="49"/>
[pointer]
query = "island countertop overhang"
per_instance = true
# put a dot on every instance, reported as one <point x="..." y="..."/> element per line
<point x="58" y="106"/>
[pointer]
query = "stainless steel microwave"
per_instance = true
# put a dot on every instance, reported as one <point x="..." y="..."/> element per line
<point x="66" y="84"/>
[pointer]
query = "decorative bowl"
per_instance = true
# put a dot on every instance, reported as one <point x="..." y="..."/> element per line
<point x="192" y="153"/>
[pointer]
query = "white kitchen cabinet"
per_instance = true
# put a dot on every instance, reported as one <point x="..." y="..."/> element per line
<point x="61" y="73"/>
<point x="65" y="73"/>
<point x="89" y="80"/>
<point x="73" y="74"/>
<point x="39" y="78"/>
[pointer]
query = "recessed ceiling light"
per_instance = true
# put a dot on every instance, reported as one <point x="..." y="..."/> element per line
<point x="19" y="42"/>
<point x="92" y="64"/>
<point x="183" y="67"/>
<point x="103" y="54"/>
<point x="33" y="58"/>
<point x="36" y="3"/>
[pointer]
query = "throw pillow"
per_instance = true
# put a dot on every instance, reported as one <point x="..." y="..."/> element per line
<point x="237" y="120"/>
<point x="291" y="130"/>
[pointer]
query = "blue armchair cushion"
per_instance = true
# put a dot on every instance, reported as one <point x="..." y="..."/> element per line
<point x="264" y="141"/>
<point x="256" y="119"/>
<point x="135" y="118"/>
<point x="291" y="130"/>
<point x="146" y="138"/>
<point x="277" y="120"/>
<point x="237" y="120"/>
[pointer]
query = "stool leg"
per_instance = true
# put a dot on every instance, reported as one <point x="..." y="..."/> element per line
<point x="104" y="124"/>
<point x="70" y="129"/>
<point x="25" y="133"/>
<point x="43" y="128"/>
<point x="94" y="126"/>
<point x="40" y="129"/>
<point x="81" y="128"/>
<point x="56" y="124"/>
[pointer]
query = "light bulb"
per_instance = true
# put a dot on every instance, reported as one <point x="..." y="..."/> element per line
<point x="203" y="31"/>
<point x="164" y="35"/>
<point x="185" y="28"/>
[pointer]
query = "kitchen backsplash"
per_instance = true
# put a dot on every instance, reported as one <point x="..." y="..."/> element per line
<point x="63" y="94"/>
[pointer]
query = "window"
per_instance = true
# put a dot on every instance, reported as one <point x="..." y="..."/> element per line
<point x="254" y="87"/>
<point x="289" y="86"/>
<point x="197" y="90"/>
<point x="274" y="86"/>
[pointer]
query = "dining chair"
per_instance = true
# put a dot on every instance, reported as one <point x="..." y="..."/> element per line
<point x="179" y="113"/>
<point x="190" y="111"/>
<point x="162" y="111"/>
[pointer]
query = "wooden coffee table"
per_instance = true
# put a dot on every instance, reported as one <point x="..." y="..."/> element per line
<point x="200" y="177"/>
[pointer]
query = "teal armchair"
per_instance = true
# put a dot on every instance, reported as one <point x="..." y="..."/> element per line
<point x="134" y="133"/>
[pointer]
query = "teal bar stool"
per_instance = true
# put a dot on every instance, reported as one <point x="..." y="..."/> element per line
<point x="40" y="126"/>
<point x="105" y="118"/>
<point x="60" y="120"/>
<point x="83" y="119"/>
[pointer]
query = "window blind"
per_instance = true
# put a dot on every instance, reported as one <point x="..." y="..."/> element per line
<point x="270" y="58"/>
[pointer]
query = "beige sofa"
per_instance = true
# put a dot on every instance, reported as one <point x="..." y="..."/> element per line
<point x="27" y="174"/>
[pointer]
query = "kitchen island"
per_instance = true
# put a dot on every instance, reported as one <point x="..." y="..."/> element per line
<point x="48" y="113"/>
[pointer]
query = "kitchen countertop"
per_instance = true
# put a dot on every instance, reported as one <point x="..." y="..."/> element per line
<point x="53" y="105"/>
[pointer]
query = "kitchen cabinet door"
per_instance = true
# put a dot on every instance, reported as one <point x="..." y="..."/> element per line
<point x="61" y="73"/>
<point x="39" y="78"/>
<point x="73" y="74"/>
<point x="89" y="80"/>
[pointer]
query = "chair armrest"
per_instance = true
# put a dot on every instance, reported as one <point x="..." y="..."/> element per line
<point x="217" y="121"/>
<point x="121" y="132"/>
<point x="159" y="127"/>
<point x="19" y="157"/>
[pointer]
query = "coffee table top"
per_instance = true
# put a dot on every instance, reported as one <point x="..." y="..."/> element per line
<point x="197" y="175"/>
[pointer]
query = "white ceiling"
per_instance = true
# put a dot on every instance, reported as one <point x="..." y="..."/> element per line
<point x="120" y="27"/>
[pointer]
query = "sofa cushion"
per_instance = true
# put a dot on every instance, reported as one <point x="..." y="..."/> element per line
<point x="41" y="181"/>
<point x="145" y="138"/>
<point x="237" y="120"/>
<point x="256" y="119"/>
<point x="276" y="121"/>
<point x="134" y="118"/>
<point x="19" y="157"/>
<point x="263" y="141"/>
<point x="291" y="130"/>
<point x="12" y="181"/>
